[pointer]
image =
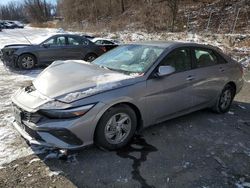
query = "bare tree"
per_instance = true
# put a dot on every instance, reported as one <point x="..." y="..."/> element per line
<point x="122" y="6"/>
<point x="174" y="7"/>
<point x="12" y="11"/>
<point x="37" y="10"/>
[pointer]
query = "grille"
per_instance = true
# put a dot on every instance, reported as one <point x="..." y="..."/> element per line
<point x="32" y="117"/>
<point x="28" y="116"/>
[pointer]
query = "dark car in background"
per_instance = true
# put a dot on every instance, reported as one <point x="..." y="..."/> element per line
<point x="56" y="47"/>
<point x="9" y="24"/>
<point x="16" y="24"/>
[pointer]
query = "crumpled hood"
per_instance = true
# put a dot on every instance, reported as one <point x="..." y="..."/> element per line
<point x="71" y="80"/>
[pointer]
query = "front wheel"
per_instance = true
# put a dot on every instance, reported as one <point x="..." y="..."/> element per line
<point x="225" y="99"/>
<point x="90" y="57"/>
<point x="116" y="127"/>
<point x="26" y="61"/>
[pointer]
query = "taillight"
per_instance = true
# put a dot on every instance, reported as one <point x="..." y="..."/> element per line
<point x="103" y="49"/>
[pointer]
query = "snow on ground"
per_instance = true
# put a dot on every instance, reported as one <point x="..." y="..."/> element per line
<point x="11" y="145"/>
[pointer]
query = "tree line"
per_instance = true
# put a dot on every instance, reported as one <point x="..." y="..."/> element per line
<point x="94" y="10"/>
<point x="151" y="14"/>
<point x="36" y="11"/>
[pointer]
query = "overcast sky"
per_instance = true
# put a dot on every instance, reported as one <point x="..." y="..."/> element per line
<point x="4" y="2"/>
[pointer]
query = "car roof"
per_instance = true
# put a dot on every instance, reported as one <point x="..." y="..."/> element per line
<point x="167" y="44"/>
<point x="65" y="34"/>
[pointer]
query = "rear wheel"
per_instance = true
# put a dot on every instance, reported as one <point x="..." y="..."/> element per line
<point x="116" y="127"/>
<point x="225" y="99"/>
<point x="90" y="57"/>
<point x="26" y="61"/>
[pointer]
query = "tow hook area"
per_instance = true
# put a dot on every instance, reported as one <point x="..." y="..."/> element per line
<point x="63" y="154"/>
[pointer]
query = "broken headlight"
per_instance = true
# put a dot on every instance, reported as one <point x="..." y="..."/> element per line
<point x="67" y="113"/>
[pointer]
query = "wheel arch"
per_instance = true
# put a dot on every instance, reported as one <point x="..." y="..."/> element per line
<point x="90" y="53"/>
<point x="233" y="85"/>
<point x="137" y="112"/>
<point x="28" y="53"/>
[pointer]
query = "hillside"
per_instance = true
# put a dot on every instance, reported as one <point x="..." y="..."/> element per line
<point x="216" y="16"/>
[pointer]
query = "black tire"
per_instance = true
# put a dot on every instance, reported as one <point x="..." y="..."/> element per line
<point x="101" y="137"/>
<point x="26" y="61"/>
<point x="225" y="99"/>
<point x="90" y="57"/>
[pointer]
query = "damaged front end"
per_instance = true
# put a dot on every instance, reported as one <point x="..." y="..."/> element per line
<point x="9" y="54"/>
<point x="43" y="126"/>
<point x="8" y="57"/>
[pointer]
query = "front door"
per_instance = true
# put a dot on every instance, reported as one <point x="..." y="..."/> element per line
<point x="53" y="49"/>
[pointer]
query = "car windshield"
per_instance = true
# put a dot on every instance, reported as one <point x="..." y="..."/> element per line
<point x="130" y="59"/>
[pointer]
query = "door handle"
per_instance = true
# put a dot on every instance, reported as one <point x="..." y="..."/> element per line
<point x="190" y="78"/>
<point x="221" y="69"/>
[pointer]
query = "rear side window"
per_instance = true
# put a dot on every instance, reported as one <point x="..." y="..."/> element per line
<point x="179" y="59"/>
<point x="98" y="42"/>
<point x="106" y="42"/>
<point x="73" y="41"/>
<point x="220" y="59"/>
<point x="85" y="42"/>
<point x="205" y="58"/>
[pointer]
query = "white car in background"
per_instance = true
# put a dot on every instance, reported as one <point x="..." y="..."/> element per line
<point x="106" y="44"/>
<point x="105" y="41"/>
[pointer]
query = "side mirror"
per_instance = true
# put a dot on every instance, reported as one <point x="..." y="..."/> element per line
<point x="45" y="45"/>
<point x="165" y="70"/>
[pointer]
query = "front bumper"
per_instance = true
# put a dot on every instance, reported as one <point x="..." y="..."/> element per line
<point x="47" y="137"/>
<point x="28" y="137"/>
<point x="73" y="133"/>
<point x="10" y="61"/>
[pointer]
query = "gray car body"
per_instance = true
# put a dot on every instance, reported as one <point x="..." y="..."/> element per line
<point x="46" y="55"/>
<point x="154" y="99"/>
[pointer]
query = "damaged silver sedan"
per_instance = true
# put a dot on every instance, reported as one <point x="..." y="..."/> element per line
<point x="72" y="104"/>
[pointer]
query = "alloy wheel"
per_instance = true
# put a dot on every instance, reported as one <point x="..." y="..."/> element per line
<point x="27" y="62"/>
<point x="91" y="58"/>
<point x="225" y="99"/>
<point x="117" y="128"/>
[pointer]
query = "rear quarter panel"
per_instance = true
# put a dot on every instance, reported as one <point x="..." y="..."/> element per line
<point x="235" y="74"/>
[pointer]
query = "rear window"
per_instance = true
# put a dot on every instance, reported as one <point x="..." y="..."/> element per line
<point x="205" y="58"/>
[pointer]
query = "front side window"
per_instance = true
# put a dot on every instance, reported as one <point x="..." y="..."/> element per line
<point x="179" y="59"/>
<point x="205" y="58"/>
<point x="130" y="58"/>
<point x="56" y="41"/>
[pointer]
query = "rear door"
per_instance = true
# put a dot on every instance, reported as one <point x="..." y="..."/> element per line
<point x="76" y="47"/>
<point x="171" y="94"/>
<point x="209" y="76"/>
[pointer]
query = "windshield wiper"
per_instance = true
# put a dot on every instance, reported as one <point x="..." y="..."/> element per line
<point x="116" y="70"/>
